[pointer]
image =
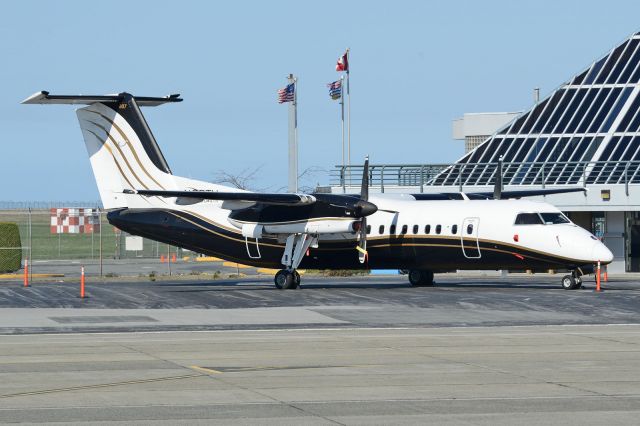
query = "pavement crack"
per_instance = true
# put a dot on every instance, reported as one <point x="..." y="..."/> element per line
<point x="217" y="376"/>
<point x="100" y="385"/>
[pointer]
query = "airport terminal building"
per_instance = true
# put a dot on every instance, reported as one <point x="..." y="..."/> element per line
<point x="586" y="133"/>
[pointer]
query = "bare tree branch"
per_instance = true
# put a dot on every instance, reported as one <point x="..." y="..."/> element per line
<point x="245" y="179"/>
<point x="306" y="179"/>
<point x="242" y="180"/>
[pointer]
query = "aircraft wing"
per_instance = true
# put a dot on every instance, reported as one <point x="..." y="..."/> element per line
<point x="256" y="197"/>
<point x="490" y="195"/>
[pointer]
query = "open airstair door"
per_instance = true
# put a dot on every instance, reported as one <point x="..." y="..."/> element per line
<point x="469" y="238"/>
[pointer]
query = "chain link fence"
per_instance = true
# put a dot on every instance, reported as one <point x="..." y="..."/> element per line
<point x="51" y="238"/>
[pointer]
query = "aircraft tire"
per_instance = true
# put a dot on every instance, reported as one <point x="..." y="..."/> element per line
<point x="415" y="277"/>
<point x="427" y="278"/>
<point x="570" y="283"/>
<point x="285" y="280"/>
<point x="296" y="278"/>
<point x="419" y="278"/>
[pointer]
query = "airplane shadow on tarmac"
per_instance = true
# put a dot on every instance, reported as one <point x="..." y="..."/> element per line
<point x="319" y="284"/>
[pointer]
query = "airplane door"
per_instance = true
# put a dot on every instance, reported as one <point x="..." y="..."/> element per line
<point x="469" y="238"/>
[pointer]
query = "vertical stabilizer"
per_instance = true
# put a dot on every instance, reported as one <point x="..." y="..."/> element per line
<point x="123" y="152"/>
<point x="118" y="157"/>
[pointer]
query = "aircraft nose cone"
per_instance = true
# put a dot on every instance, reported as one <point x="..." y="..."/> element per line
<point x="602" y="253"/>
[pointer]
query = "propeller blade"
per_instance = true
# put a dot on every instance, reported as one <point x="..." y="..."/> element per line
<point x="362" y="243"/>
<point x="497" y="189"/>
<point x="364" y="190"/>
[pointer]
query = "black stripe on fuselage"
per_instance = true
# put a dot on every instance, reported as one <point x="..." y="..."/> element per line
<point x="128" y="109"/>
<point x="194" y="232"/>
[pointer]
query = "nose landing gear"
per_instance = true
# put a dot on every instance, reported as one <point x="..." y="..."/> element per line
<point x="573" y="281"/>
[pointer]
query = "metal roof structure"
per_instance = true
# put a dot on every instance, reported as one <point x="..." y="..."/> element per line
<point x="586" y="132"/>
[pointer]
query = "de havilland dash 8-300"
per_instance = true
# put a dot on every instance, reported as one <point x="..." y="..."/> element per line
<point x="421" y="233"/>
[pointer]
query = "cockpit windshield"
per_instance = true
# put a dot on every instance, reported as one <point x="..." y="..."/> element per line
<point x="541" y="219"/>
<point x="528" y="219"/>
<point x="554" y="218"/>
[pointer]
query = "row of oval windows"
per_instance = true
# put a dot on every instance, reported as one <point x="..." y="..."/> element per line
<point x="416" y="228"/>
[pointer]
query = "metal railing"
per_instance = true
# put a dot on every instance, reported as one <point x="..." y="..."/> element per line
<point x="484" y="174"/>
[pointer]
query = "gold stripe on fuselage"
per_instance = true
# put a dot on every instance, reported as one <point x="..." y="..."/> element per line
<point x="133" y="151"/>
<point x="121" y="154"/>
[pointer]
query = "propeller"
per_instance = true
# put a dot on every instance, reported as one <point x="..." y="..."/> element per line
<point x="364" y="208"/>
<point x="497" y="188"/>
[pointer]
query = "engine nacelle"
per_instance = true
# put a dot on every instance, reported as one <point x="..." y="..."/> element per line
<point x="324" y="226"/>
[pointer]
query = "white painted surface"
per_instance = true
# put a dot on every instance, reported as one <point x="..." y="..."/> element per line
<point x="485" y="123"/>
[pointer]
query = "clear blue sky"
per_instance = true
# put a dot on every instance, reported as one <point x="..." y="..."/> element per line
<point x="415" y="67"/>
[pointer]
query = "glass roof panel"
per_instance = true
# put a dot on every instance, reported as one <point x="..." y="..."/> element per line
<point x="610" y="63"/>
<point x="623" y="61"/>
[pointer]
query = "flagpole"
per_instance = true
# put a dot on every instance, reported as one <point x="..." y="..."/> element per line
<point x="342" y="118"/>
<point x="348" y="116"/>
<point x="293" y="137"/>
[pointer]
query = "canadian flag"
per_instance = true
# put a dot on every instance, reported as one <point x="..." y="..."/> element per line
<point x="343" y="62"/>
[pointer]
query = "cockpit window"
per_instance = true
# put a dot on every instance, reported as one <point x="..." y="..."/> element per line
<point x="528" y="219"/>
<point x="554" y="218"/>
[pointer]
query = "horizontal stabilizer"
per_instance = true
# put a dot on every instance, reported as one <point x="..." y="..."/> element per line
<point x="45" y="98"/>
<point x="279" y="199"/>
<point x="490" y="195"/>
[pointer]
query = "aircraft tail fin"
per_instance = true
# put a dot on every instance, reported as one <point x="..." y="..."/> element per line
<point x="123" y="152"/>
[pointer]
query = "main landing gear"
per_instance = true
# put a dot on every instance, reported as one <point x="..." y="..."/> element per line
<point x="420" y="278"/>
<point x="294" y="250"/>
<point x="573" y="281"/>
<point x="287" y="280"/>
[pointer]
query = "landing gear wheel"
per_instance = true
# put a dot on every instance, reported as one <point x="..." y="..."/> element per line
<point x="427" y="278"/>
<point x="570" y="283"/>
<point x="578" y="282"/>
<point x="286" y="280"/>
<point x="415" y="277"/>
<point x="419" y="278"/>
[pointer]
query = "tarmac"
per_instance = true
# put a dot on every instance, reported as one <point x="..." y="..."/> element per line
<point x="361" y="350"/>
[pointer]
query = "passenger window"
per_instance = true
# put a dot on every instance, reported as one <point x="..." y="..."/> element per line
<point x="381" y="229"/>
<point x="368" y="229"/>
<point x="415" y="229"/>
<point x="470" y="228"/>
<point x="528" y="219"/>
<point x="454" y="229"/>
<point x="438" y="229"/>
<point x="392" y="229"/>
<point x="404" y="229"/>
<point x="427" y="229"/>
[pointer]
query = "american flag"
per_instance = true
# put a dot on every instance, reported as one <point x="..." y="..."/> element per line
<point x="335" y="89"/>
<point x="286" y="94"/>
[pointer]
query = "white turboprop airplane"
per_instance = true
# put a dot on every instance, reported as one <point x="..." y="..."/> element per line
<point x="422" y="233"/>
